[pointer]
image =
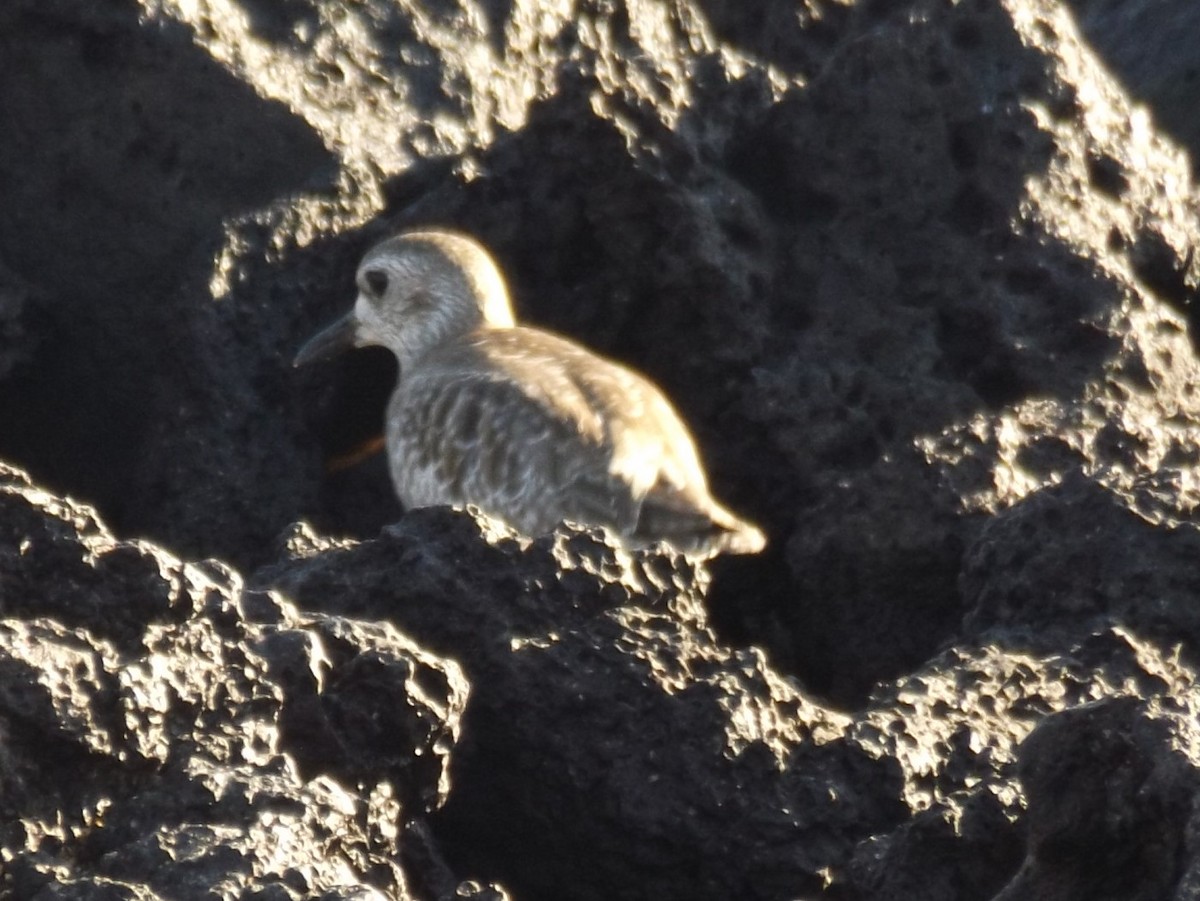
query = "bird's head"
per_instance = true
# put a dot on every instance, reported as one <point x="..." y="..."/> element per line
<point x="415" y="292"/>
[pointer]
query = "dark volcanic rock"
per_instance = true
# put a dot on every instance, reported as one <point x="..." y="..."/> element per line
<point x="1110" y="789"/>
<point x="919" y="273"/>
<point x="127" y="148"/>
<point x="14" y="294"/>
<point x="1153" y="47"/>
<point x="1130" y="564"/>
<point x="960" y="729"/>
<point x="610" y="745"/>
<point x="168" y="734"/>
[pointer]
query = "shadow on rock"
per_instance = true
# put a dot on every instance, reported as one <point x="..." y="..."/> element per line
<point x="126" y="146"/>
<point x="148" y="706"/>
<point x="610" y="744"/>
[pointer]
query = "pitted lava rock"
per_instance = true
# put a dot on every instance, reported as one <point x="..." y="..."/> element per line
<point x="922" y="278"/>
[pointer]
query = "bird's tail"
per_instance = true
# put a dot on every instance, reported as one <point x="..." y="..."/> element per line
<point x="731" y="535"/>
<point x="703" y="533"/>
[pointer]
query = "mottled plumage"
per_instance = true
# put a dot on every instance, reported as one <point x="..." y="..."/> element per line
<point x="526" y="425"/>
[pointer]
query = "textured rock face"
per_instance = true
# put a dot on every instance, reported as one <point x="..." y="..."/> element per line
<point x="1152" y="49"/>
<point x="682" y="767"/>
<point x="920" y="276"/>
<point x="168" y="733"/>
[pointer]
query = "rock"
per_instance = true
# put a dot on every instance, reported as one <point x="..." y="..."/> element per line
<point x="611" y="745"/>
<point x="960" y="728"/>
<point x="1026" y="573"/>
<point x="167" y="733"/>
<point x="921" y="276"/>
<point x="1111" y="791"/>
<point x="14" y="294"/>
<point x="1151" y="48"/>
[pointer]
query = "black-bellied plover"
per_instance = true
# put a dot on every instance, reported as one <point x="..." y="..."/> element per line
<point x="526" y="425"/>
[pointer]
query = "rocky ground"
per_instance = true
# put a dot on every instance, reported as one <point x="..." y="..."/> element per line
<point x="921" y="275"/>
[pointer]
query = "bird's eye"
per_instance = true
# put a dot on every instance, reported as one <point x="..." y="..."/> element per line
<point x="377" y="281"/>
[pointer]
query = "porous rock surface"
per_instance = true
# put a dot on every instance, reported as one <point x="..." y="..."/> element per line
<point x="919" y="273"/>
<point x="1153" y="48"/>
<point x="168" y="733"/>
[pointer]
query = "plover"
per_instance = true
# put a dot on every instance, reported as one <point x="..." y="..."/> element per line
<point x="527" y="425"/>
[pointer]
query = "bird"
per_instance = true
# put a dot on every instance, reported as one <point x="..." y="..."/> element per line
<point x="522" y="423"/>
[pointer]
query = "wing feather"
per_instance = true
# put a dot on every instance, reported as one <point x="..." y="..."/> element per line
<point x="536" y="430"/>
<point x="480" y="438"/>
